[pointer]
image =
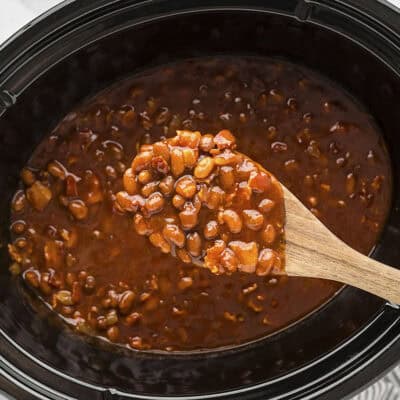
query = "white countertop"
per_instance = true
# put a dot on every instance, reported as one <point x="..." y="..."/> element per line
<point x="16" y="13"/>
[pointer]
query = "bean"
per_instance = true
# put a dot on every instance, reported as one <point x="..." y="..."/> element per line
<point x="19" y="201"/>
<point x="267" y="261"/>
<point x="308" y="181"/>
<point x="70" y="278"/>
<point x="266" y="205"/>
<point x="229" y="261"/>
<point x="325" y="187"/>
<point x="376" y="183"/>
<point x="174" y="234"/>
<point x="226" y="158"/>
<point x="253" y="219"/>
<point x="71" y="188"/>
<point x="82" y="275"/>
<point x="254" y="306"/>
<point x="215" y="198"/>
<point x="226" y="177"/>
<point x="188" y="138"/>
<point x="190" y="157"/>
<point x="64" y="297"/>
<point x="157" y="240"/>
<point x="177" y="161"/>
<point x="279" y="147"/>
<point x="70" y="237"/>
<point x="247" y="254"/>
<point x="67" y="310"/>
<point x="111" y="318"/>
<point x="167" y="185"/>
<point x="145" y="176"/>
<point x="193" y="244"/>
<point x="53" y="254"/>
<point x="90" y="284"/>
<point x="76" y="293"/>
<point x="312" y="201"/>
<point x="126" y="301"/>
<point x="129" y="181"/>
<point x="232" y="219"/>
<point x="132" y="318"/>
<point x="250" y="288"/>
<point x="78" y="209"/>
<point x="125" y="202"/>
<point x="32" y="277"/>
<point x="230" y="317"/>
<point x="113" y="333"/>
<point x="225" y="140"/>
<point x="259" y="182"/>
<point x="94" y="194"/>
<point x="28" y="177"/>
<point x="163" y="117"/>
<point x="211" y="230"/>
<point x="244" y="169"/>
<point x="18" y="226"/>
<point x="184" y="256"/>
<point x="70" y="260"/>
<point x="313" y="149"/>
<point x="207" y="143"/>
<point x="185" y="283"/>
<point x="136" y="342"/>
<point x="101" y="322"/>
<point x="154" y="203"/>
<point x="56" y="169"/>
<point x="268" y="234"/>
<point x="39" y="195"/>
<point x="177" y="311"/>
<point x="160" y="165"/>
<point x="186" y="186"/>
<point x="178" y="201"/>
<point x="149" y="188"/>
<point x="213" y="256"/>
<point x="291" y="166"/>
<point x="204" y="167"/>
<point x="55" y="280"/>
<point x="161" y="149"/>
<point x="141" y="161"/>
<point x="142" y="226"/>
<point x="350" y="183"/>
<point x="188" y="216"/>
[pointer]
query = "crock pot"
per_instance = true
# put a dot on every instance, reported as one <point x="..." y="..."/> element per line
<point x="80" y="47"/>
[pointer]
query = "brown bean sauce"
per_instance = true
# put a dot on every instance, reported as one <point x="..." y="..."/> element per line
<point x="86" y="259"/>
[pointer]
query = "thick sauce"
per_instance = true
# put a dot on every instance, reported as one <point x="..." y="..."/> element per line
<point x="88" y="262"/>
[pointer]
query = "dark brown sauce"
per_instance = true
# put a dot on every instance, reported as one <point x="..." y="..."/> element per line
<point x="309" y="133"/>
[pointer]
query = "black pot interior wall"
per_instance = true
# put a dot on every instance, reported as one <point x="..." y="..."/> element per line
<point x="97" y="65"/>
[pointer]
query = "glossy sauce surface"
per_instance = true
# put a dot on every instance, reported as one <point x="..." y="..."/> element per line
<point x="89" y="263"/>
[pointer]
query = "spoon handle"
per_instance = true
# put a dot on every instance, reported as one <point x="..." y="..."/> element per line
<point x="352" y="268"/>
<point x="312" y="250"/>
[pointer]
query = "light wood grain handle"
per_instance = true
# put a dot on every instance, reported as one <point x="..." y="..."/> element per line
<point x="355" y="269"/>
<point x="312" y="250"/>
<point x="376" y="278"/>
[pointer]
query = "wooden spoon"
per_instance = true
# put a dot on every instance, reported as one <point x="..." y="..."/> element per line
<point x="312" y="250"/>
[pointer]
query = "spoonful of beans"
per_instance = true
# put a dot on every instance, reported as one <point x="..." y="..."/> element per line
<point x="196" y="197"/>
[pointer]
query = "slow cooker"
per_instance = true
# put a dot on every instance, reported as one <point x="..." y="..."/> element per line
<point x="80" y="47"/>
